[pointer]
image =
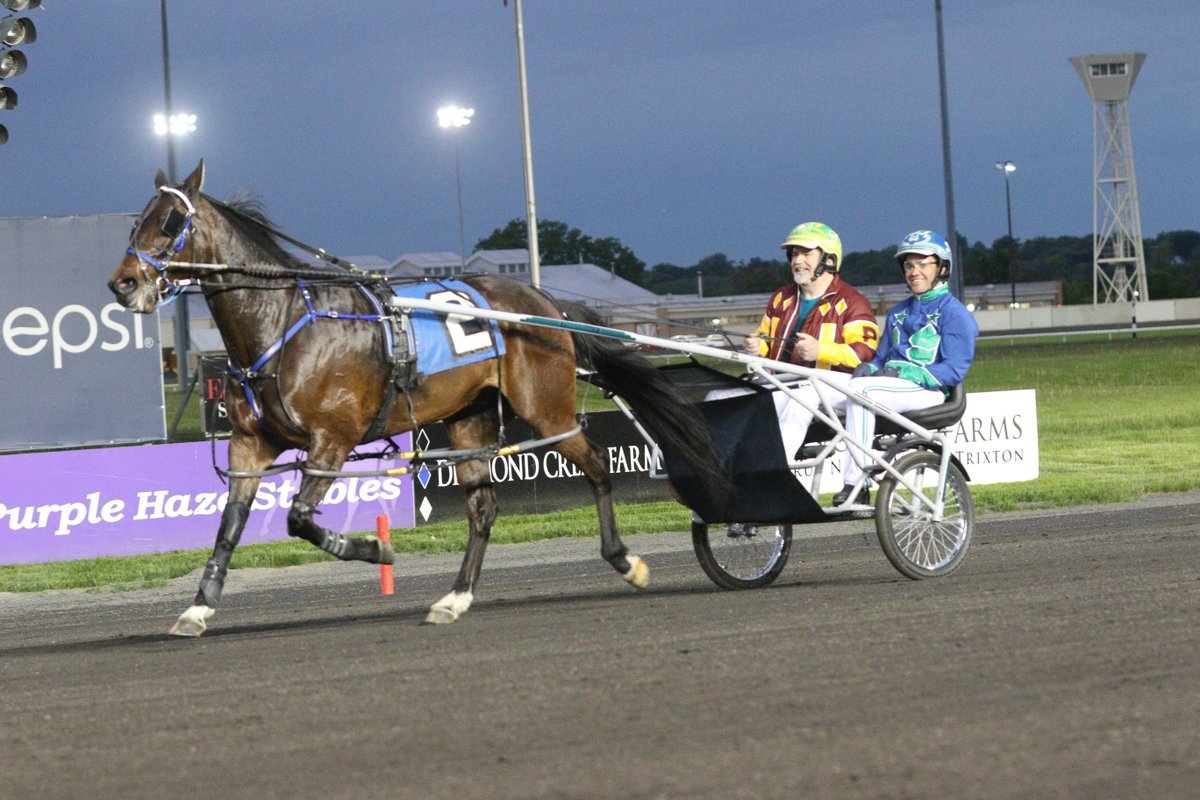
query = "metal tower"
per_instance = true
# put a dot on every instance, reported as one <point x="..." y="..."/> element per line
<point x="1118" y="256"/>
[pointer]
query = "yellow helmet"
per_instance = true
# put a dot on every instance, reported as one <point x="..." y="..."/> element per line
<point x="817" y="234"/>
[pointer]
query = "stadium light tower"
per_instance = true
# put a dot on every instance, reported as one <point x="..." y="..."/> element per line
<point x="455" y="117"/>
<point x="1008" y="168"/>
<point x="14" y="31"/>
<point x="1118" y="255"/>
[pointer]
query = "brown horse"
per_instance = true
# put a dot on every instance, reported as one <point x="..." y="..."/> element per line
<point x="321" y="387"/>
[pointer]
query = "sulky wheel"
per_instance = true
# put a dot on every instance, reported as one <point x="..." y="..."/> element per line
<point x="912" y="541"/>
<point x="742" y="556"/>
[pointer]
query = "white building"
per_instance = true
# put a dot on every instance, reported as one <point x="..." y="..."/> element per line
<point x="427" y="265"/>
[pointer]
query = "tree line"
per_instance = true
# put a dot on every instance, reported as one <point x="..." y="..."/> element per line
<point x="1172" y="263"/>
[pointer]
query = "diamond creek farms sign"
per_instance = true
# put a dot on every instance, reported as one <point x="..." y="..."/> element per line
<point x="542" y="480"/>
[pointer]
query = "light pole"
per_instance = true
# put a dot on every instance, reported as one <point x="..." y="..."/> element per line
<point x="455" y="117"/>
<point x="1007" y="167"/>
<point x="535" y="259"/>
<point x="956" y="277"/>
<point x="171" y="126"/>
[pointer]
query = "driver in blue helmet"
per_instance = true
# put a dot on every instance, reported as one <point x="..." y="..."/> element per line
<point x="925" y="349"/>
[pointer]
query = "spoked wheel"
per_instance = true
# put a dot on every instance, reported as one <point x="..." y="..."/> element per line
<point x="912" y="541"/>
<point x="742" y="557"/>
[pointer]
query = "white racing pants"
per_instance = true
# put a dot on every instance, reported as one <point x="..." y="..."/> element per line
<point x="794" y="418"/>
<point x="894" y="394"/>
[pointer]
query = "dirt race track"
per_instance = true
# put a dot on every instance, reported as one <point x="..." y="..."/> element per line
<point x="1062" y="660"/>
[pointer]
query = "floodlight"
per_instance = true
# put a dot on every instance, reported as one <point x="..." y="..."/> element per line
<point x="17" y="30"/>
<point x="3" y="134"/>
<point x="12" y="63"/>
<point x="8" y="98"/>
<point x="20" y="5"/>
<point x="453" y="116"/>
<point x="177" y="124"/>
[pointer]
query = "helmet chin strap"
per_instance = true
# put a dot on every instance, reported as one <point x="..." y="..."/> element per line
<point x="822" y="267"/>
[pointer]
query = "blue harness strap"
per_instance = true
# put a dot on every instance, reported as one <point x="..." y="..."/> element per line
<point x="310" y="317"/>
<point x="442" y="343"/>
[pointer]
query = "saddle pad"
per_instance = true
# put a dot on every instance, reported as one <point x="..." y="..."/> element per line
<point x="446" y="342"/>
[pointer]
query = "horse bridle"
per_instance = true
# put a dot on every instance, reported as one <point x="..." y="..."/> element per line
<point x="177" y="226"/>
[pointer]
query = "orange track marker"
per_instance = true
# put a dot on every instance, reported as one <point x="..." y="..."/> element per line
<point x="385" y="570"/>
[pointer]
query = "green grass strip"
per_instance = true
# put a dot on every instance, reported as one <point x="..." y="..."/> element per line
<point x="1117" y="420"/>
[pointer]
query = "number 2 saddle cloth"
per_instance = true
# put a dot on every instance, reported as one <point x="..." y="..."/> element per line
<point x="442" y="342"/>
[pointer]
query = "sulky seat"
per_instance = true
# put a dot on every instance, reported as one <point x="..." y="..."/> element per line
<point x="933" y="418"/>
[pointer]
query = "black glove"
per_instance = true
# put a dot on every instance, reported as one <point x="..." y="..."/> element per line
<point x="890" y="372"/>
<point x="863" y="370"/>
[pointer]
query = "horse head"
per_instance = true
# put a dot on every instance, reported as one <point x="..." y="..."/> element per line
<point x="145" y="278"/>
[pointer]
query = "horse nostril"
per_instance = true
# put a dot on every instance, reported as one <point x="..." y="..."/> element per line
<point x="122" y="286"/>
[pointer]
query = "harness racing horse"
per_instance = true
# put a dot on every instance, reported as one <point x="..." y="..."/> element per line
<point x="321" y="387"/>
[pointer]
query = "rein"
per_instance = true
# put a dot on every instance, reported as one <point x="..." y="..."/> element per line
<point x="415" y="458"/>
<point x="178" y="225"/>
<point x="319" y="252"/>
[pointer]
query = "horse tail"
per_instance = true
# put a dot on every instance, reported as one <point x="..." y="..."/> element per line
<point x="673" y="422"/>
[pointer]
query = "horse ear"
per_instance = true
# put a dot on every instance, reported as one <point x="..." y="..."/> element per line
<point x="160" y="180"/>
<point x="192" y="183"/>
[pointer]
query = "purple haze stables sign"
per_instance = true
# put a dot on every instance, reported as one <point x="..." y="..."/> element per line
<point x="122" y="501"/>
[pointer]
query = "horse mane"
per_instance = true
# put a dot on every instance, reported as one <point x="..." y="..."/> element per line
<point x="247" y="214"/>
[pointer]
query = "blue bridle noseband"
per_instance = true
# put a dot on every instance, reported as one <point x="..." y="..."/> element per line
<point x="179" y="227"/>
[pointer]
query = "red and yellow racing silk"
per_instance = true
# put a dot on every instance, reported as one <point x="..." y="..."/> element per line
<point x="842" y="321"/>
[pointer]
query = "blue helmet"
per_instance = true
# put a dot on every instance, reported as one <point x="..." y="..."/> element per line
<point x="927" y="243"/>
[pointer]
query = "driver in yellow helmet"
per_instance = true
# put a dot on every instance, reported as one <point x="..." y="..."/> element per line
<point x="817" y="320"/>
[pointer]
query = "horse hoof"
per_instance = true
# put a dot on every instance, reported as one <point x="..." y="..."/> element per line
<point x="449" y="608"/>
<point x="441" y="616"/>
<point x="192" y="622"/>
<point x="639" y="573"/>
<point x="386" y="554"/>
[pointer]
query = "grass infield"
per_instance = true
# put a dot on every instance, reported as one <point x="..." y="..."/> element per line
<point x="1118" y="418"/>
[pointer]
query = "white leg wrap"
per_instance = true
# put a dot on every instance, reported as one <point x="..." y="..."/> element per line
<point x="449" y="608"/>
<point x="639" y="573"/>
<point x="192" y="622"/>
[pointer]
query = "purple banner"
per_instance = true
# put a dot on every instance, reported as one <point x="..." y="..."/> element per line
<point x="122" y="501"/>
